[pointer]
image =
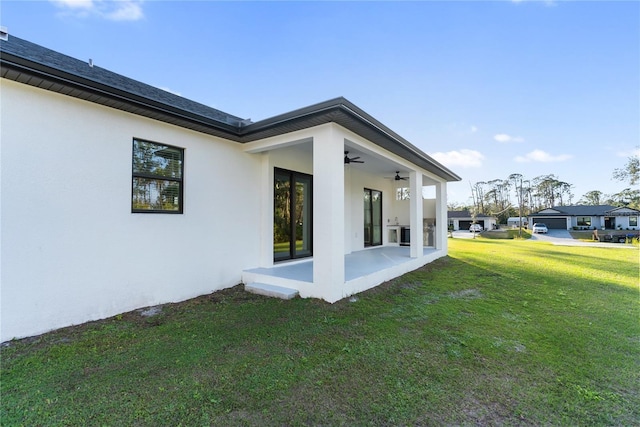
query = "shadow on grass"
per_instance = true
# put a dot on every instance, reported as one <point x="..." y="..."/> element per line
<point x="482" y="337"/>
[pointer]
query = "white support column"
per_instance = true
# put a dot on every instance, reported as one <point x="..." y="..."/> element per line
<point x="348" y="239"/>
<point x="442" y="222"/>
<point x="328" y="213"/>
<point x="415" y="214"/>
<point x="266" y="208"/>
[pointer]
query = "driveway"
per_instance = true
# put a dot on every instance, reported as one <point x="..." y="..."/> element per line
<point x="563" y="238"/>
<point x="463" y="234"/>
<point x="555" y="237"/>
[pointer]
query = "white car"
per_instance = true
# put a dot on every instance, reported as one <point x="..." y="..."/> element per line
<point x="540" y="228"/>
<point x="475" y="228"/>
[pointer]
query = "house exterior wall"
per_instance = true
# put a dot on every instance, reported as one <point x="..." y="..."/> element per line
<point x="355" y="182"/>
<point x="354" y="193"/>
<point x="596" y="221"/>
<point x="623" y="222"/>
<point x="72" y="251"/>
<point x="625" y="218"/>
<point x="514" y="222"/>
<point x="463" y="223"/>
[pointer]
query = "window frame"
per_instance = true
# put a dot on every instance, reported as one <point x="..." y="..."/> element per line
<point x="635" y="220"/>
<point x="403" y="193"/>
<point x="371" y="243"/>
<point x="146" y="175"/>
<point x="293" y="178"/>
<point x="584" y="221"/>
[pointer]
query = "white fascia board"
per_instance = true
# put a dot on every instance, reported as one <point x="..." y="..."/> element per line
<point x="284" y="140"/>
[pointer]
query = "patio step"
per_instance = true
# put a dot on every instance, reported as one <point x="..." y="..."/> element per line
<point x="271" y="290"/>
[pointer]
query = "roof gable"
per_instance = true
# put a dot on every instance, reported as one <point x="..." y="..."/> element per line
<point x="459" y="214"/>
<point x="549" y="211"/>
<point x="623" y="211"/>
<point x="465" y="214"/>
<point x="578" y="210"/>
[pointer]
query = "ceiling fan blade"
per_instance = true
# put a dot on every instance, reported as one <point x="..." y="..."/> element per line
<point x="400" y="178"/>
<point x="348" y="159"/>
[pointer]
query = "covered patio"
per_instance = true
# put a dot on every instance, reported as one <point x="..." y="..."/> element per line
<point x="372" y="266"/>
<point x="333" y="186"/>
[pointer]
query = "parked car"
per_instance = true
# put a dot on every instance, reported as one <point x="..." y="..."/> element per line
<point x="475" y="228"/>
<point x="540" y="228"/>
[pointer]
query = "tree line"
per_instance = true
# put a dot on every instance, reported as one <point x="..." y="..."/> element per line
<point x="518" y="196"/>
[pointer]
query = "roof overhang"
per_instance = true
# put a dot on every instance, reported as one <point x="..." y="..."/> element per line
<point x="338" y="110"/>
<point x="348" y="115"/>
<point x="34" y="74"/>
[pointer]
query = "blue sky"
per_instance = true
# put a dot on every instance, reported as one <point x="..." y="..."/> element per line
<point x="487" y="88"/>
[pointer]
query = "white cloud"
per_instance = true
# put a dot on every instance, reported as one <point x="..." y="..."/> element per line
<point x="504" y="138"/>
<point x="474" y="129"/>
<point x="630" y="153"/>
<point x="74" y="4"/>
<point x="113" y="10"/>
<point x="542" y="157"/>
<point x="545" y="2"/>
<point x="464" y="158"/>
<point x="126" y="11"/>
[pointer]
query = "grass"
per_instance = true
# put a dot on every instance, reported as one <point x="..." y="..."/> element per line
<point x="509" y="233"/>
<point x="500" y="332"/>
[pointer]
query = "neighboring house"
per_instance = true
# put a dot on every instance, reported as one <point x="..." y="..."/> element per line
<point x="587" y="217"/>
<point x="117" y="195"/>
<point x="514" y="221"/>
<point x="462" y="220"/>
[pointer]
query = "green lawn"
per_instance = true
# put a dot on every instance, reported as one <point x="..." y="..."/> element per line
<point x="501" y="332"/>
<point x="508" y="233"/>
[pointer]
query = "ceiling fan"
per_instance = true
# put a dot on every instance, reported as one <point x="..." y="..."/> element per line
<point x="348" y="159"/>
<point x="397" y="177"/>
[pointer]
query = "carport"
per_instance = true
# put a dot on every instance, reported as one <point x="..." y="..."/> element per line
<point x="552" y="223"/>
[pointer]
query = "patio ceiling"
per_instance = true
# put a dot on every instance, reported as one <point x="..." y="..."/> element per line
<point x="373" y="163"/>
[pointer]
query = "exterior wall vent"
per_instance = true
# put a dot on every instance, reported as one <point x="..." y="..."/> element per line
<point x="4" y="33"/>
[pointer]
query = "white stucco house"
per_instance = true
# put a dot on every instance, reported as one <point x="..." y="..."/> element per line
<point x="515" y="221"/>
<point x="587" y="217"/>
<point x="462" y="220"/>
<point x="117" y="195"/>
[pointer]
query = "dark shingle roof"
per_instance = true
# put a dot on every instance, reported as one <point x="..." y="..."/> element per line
<point x="576" y="210"/>
<point x="464" y="214"/>
<point x="31" y="64"/>
<point x="19" y="52"/>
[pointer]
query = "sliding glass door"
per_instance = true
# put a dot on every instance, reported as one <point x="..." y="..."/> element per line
<point x="292" y="219"/>
<point x="372" y="217"/>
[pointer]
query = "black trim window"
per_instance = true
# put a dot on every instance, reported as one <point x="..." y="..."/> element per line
<point x="157" y="183"/>
<point x="372" y="217"/>
<point x="584" y="221"/>
<point x="292" y="215"/>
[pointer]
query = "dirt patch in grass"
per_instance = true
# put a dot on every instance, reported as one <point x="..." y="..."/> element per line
<point x="466" y="294"/>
